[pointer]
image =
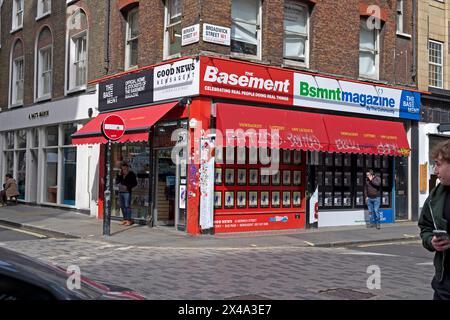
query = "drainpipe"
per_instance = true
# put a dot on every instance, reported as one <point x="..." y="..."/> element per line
<point x="107" y="30"/>
<point x="414" y="38"/>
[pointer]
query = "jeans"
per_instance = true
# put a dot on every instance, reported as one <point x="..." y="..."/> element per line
<point x="125" y="202"/>
<point x="374" y="208"/>
<point x="441" y="289"/>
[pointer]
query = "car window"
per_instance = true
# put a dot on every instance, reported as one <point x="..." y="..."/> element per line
<point x="13" y="289"/>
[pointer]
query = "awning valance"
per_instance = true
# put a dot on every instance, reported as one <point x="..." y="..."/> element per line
<point x="137" y="121"/>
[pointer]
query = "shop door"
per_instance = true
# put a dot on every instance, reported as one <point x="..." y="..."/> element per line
<point x="165" y="189"/>
<point x="33" y="176"/>
<point x="401" y="188"/>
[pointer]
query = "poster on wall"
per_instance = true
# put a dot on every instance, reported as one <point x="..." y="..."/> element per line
<point x="206" y="183"/>
<point x="313" y="207"/>
<point x="182" y="199"/>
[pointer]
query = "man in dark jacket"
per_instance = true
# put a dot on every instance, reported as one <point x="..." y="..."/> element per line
<point x="435" y="215"/>
<point x="126" y="180"/>
<point x="373" y="196"/>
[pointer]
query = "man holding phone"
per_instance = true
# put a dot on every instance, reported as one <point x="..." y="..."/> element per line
<point x="373" y="196"/>
<point x="434" y="222"/>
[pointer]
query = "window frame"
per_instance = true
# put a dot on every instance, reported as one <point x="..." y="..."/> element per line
<point x="376" y="51"/>
<point x="167" y="25"/>
<point x="71" y="79"/>
<point x="39" y="79"/>
<point x="40" y="12"/>
<point x="295" y="62"/>
<point x="15" y="13"/>
<point x="129" y="39"/>
<point x="13" y="101"/>
<point x="441" y="44"/>
<point x="259" y="28"/>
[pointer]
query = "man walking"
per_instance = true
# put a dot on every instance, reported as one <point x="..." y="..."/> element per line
<point x="373" y="197"/>
<point x="435" y="215"/>
<point x="126" y="181"/>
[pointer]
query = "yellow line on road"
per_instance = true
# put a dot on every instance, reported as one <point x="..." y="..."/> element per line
<point x="37" y="235"/>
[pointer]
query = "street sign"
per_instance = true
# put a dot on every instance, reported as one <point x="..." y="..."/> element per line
<point x="113" y="127"/>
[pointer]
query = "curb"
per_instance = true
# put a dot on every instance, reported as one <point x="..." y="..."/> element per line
<point x="362" y="242"/>
<point x="45" y="232"/>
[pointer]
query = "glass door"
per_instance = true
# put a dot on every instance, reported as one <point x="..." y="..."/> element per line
<point x="401" y="188"/>
<point x="165" y="188"/>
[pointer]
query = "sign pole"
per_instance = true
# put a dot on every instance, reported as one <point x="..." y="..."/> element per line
<point x="107" y="215"/>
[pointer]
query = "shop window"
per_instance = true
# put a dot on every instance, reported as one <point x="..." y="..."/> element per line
<point x="77" y="51"/>
<point x="132" y="39"/>
<point x="9" y="162"/>
<point x="435" y="59"/>
<point x="246" y="28"/>
<point x="21" y="173"/>
<point x="296" y="32"/>
<point x="341" y="179"/>
<point x="172" y="38"/>
<point x="51" y="176"/>
<point x="69" y="176"/>
<point x="368" y="50"/>
<point x="9" y="137"/>
<point x="43" y="8"/>
<point x="22" y="139"/>
<point x="17" y="15"/>
<point x="52" y="136"/>
<point x="68" y="130"/>
<point x="35" y="137"/>
<point x="44" y="65"/>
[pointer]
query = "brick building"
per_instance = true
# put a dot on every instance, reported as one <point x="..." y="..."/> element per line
<point x="365" y="47"/>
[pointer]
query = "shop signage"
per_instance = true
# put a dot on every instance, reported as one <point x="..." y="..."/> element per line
<point x="40" y="114"/>
<point x="250" y="222"/>
<point x="190" y="35"/>
<point x="227" y="79"/>
<point x="113" y="127"/>
<point x="216" y="34"/>
<point x="175" y="80"/>
<point x="130" y="90"/>
<point x="245" y="81"/>
<point x="338" y="95"/>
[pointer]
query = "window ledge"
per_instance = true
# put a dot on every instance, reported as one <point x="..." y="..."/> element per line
<point x="296" y="64"/>
<point x="76" y="89"/>
<point x="16" y="29"/>
<point x="240" y="56"/>
<point x="43" y="98"/>
<point x="16" y="105"/>
<point x="404" y="35"/>
<point x="174" y="56"/>
<point x="43" y="16"/>
<point x="363" y="77"/>
<point x="131" y="68"/>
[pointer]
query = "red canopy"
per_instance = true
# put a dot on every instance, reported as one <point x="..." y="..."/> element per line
<point x="358" y="135"/>
<point x="242" y="125"/>
<point x="137" y="121"/>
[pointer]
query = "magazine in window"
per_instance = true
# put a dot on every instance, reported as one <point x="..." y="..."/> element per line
<point x="347" y="199"/>
<point x="286" y="156"/>
<point x="337" y="199"/>
<point x="253" y="177"/>
<point x="219" y="155"/>
<point x="218" y="176"/>
<point x="297" y="157"/>
<point x="264" y="199"/>
<point x="241" y="199"/>
<point x="359" y="161"/>
<point x="275" y="199"/>
<point x="369" y="162"/>
<point x="347" y="160"/>
<point x="229" y="199"/>
<point x="359" y="198"/>
<point x="338" y="179"/>
<point x="242" y="177"/>
<point x="253" y="155"/>
<point x="286" y="199"/>
<point x="276" y="178"/>
<point x="230" y="155"/>
<point x="338" y="160"/>
<point x="329" y="159"/>
<point x="287" y="177"/>
<point x="265" y="179"/>
<point x="229" y="177"/>
<point x="297" y="178"/>
<point x="253" y="199"/>
<point x="377" y="162"/>
<point x="328" y="201"/>
<point x="297" y="199"/>
<point x="218" y="199"/>
<point x="241" y="155"/>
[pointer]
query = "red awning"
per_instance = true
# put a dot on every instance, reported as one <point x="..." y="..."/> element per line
<point x="242" y="125"/>
<point x="358" y="135"/>
<point x="137" y="121"/>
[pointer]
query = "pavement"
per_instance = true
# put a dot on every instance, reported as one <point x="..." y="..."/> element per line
<point x="66" y="224"/>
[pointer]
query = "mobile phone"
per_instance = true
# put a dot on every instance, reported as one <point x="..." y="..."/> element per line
<point x="441" y="234"/>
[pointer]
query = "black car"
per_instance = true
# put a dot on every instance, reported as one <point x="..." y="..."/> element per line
<point x="25" y="278"/>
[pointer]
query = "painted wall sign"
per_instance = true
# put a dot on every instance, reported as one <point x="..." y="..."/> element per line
<point x="128" y="90"/>
<point x="190" y="35"/>
<point x="40" y="114"/>
<point x="216" y="34"/>
<point x="175" y="80"/>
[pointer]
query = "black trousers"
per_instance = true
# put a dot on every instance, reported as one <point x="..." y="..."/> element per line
<point x="3" y="196"/>
<point x="441" y="289"/>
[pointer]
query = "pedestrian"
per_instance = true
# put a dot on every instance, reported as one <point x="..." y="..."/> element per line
<point x="126" y="180"/>
<point x="373" y="196"/>
<point x="9" y="190"/>
<point x="435" y="215"/>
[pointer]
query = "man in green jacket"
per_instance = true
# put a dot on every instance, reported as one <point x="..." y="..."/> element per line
<point x="436" y="216"/>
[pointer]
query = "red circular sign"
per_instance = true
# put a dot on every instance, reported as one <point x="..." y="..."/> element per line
<point x="113" y="127"/>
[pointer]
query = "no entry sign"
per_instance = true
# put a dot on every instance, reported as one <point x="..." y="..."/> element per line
<point x="113" y="127"/>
